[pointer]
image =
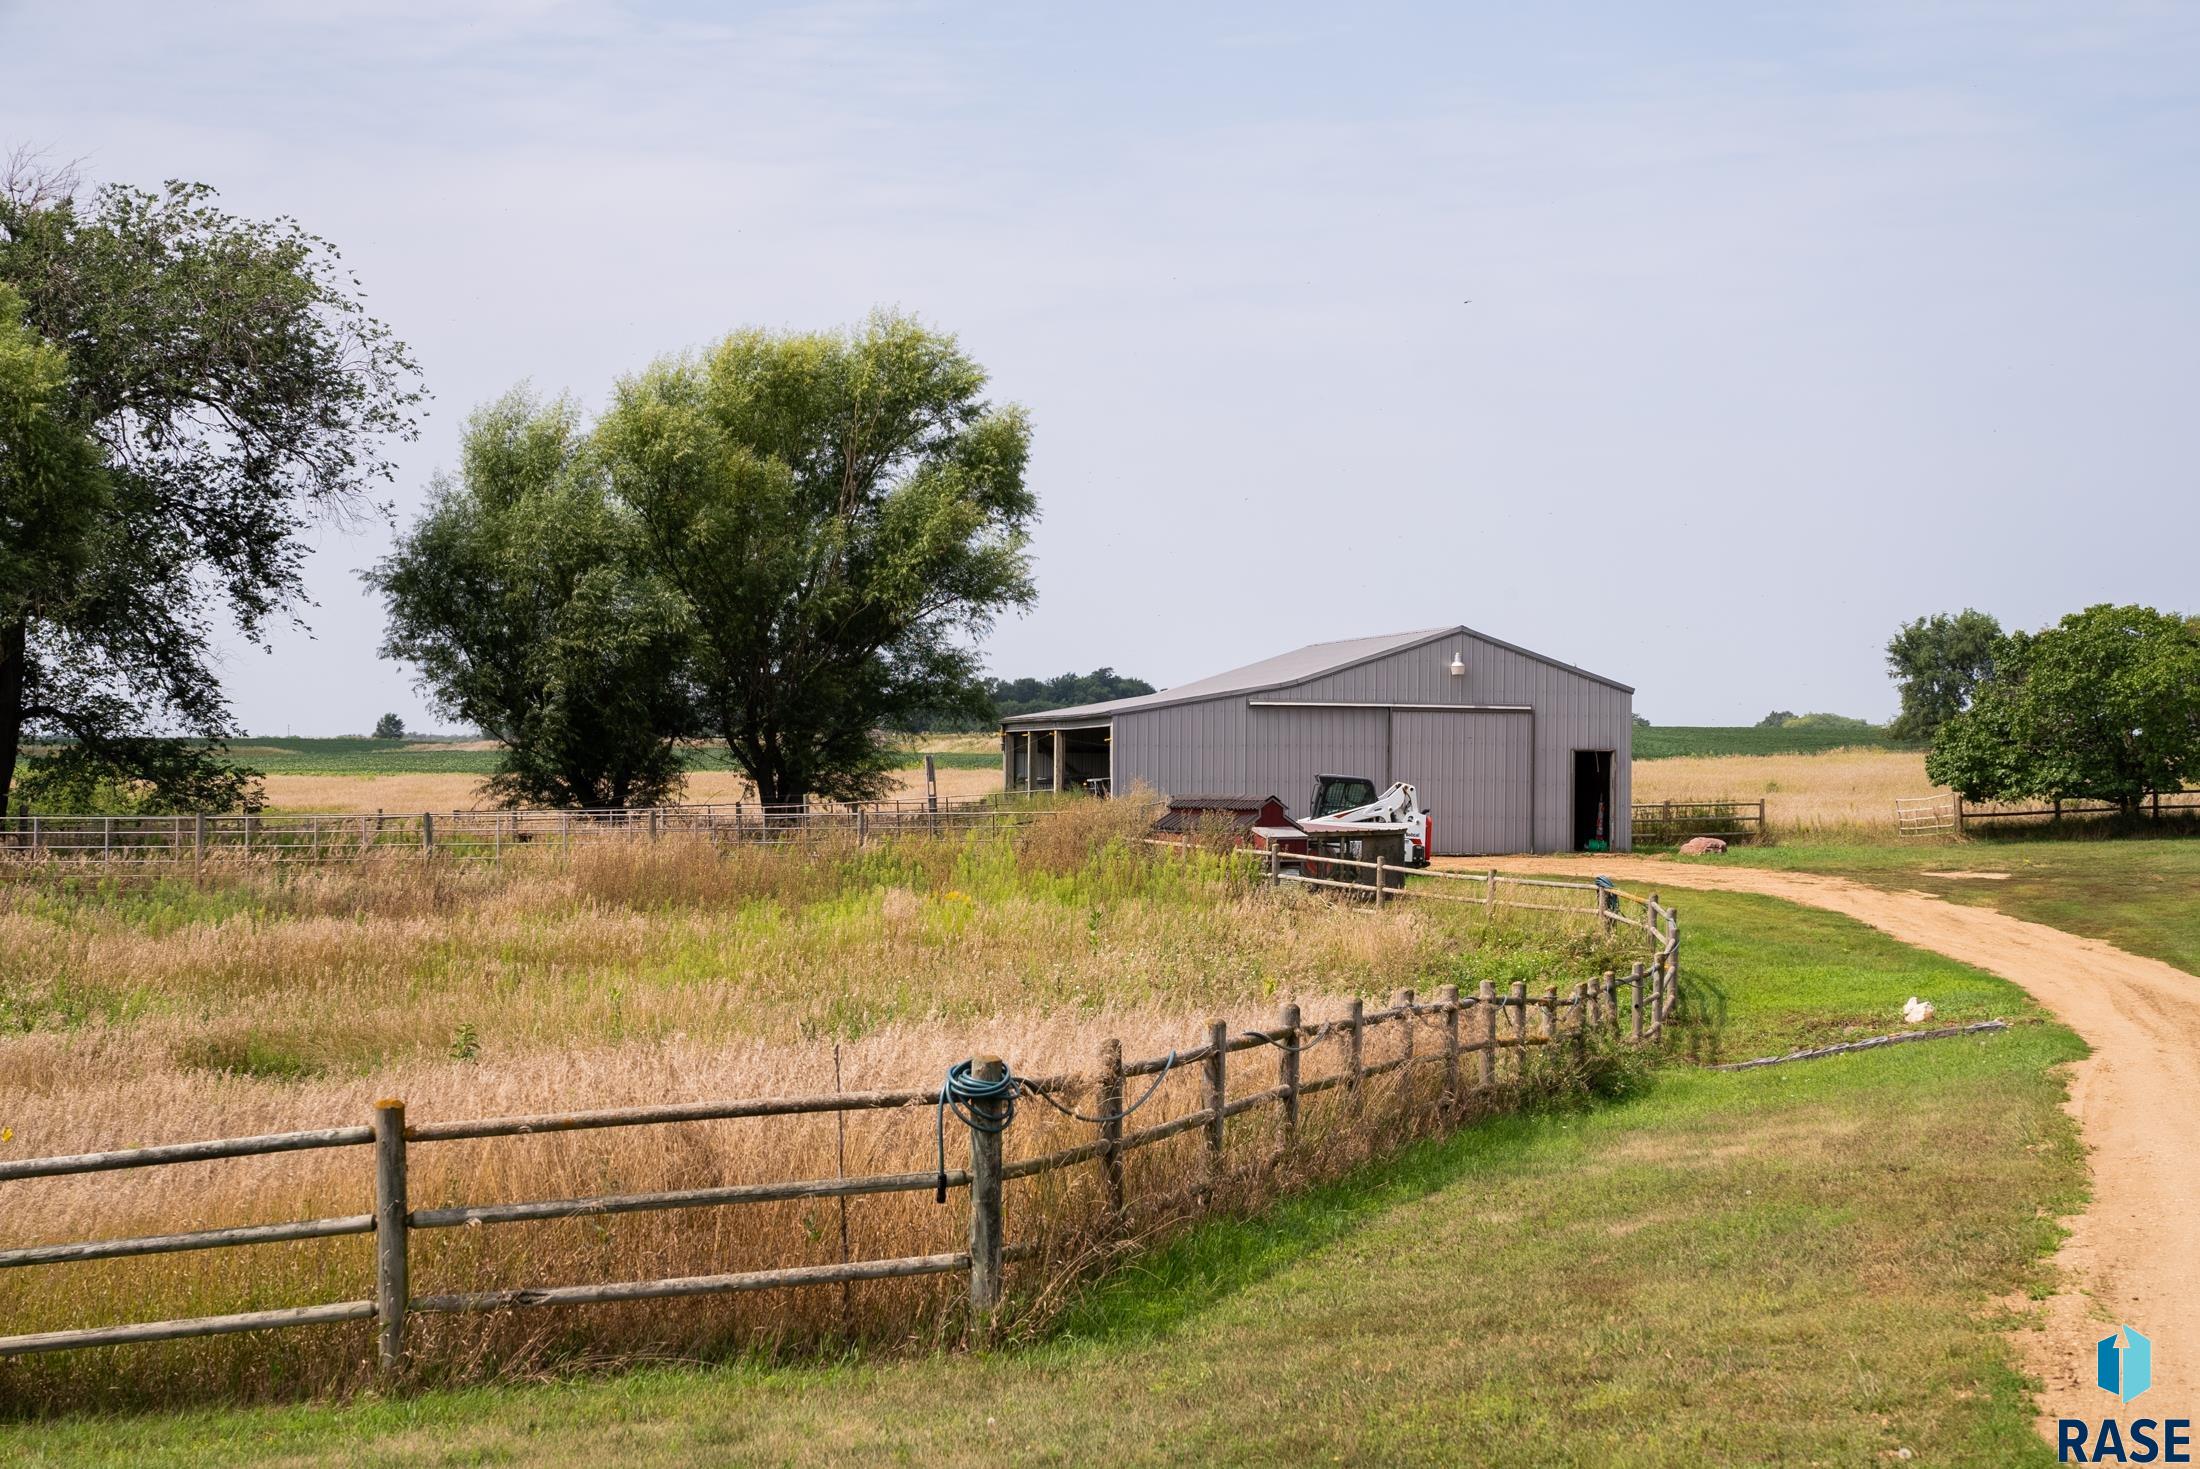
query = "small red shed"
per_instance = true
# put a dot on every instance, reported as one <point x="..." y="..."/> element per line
<point x="1261" y="822"/>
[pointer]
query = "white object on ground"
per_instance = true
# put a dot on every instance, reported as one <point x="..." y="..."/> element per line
<point x="1918" y="1011"/>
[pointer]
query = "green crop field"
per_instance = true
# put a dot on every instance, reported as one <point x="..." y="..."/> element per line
<point x="1664" y="741"/>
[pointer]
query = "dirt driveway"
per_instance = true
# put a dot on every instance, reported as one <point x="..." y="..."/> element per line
<point x="2135" y="1255"/>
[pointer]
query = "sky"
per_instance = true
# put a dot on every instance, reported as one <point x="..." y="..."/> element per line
<point x="1699" y="345"/>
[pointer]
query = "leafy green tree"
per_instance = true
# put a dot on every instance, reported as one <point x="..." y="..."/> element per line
<point x="389" y="727"/>
<point x="522" y="598"/>
<point x="1777" y="719"/>
<point x="1847" y="722"/>
<point x="184" y="392"/>
<point x="842" y="514"/>
<point x="1063" y="691"/>
<point x="1937" y="662"/>
<point x="1011" y="696"/>
<point x="2105" y="705"/>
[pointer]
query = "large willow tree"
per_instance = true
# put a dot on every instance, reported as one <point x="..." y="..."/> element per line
<point x="833" y="517"/>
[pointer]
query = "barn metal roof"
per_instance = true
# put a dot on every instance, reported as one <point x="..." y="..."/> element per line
<point x="1298" y="666"/>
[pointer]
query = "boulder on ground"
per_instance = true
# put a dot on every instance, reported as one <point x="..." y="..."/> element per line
<point x="1702" y="846"/>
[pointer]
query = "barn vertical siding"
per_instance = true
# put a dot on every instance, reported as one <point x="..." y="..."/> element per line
<point x="1185" y="749"/>
<point x="1287" y="748"/>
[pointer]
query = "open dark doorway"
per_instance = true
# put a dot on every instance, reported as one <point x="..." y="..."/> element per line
<point x="1592" y="800"/>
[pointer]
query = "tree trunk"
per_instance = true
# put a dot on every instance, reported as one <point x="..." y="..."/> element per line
<point x="14" y="664"/>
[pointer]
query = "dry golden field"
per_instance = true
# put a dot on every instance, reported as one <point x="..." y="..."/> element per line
<point x="1802" y="793"/>
<point x="463" y="792"/>
<point x="163" y="1009"/>
<point x="1837" y="789"/>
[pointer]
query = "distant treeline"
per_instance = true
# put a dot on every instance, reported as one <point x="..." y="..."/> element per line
<point x="1013" y="696"/>
<point x="1788" y="719"/>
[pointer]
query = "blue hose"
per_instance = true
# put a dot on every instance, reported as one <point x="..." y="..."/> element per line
<point x="961" y="1091"/>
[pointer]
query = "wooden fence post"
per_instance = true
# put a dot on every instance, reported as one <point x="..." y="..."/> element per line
<point x="427" y="832"/>
<point x="1287" y="1069"/>
<point x="1403" y="999"/>
<point x="1520" y="1030"/>
<point x="198" y="837"/>
<point x="1657" y="996"/>
<point x="1550" y="1014"/>
<point x="392" y="1273"/>
<point x="1634" y="978"/>
<point x="1449" y="995"/>
<point x="985" y="1192"/>
<point x="1673" y="958"/>
<point x="656" y="823"/>
<point x="1581" y="1021"/>
<point x="1111" y="1122"/>
<point x="1485" y="995"/>
<point x="1381" y="881"/>
<point x="1956" y="807"/>
<point x="1355" y="1066"/>
<point x="863" y="826"/>
<point x="1218" y="1050"/>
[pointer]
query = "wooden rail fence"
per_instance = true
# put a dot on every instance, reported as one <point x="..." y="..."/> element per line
<point x="1949" y="812"/>
<point x="1478" y="1030"/>
<point x="484" y="835"/>
<point x="1659" y="822"/>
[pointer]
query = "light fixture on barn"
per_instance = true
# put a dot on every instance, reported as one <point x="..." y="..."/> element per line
<point x="1458" y="666"/>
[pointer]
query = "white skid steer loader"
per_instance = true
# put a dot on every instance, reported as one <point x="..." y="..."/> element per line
<point x="1396" y="811"/>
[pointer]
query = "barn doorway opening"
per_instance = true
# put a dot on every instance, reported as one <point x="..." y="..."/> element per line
<point x="1085" y="760"/>
<point x="1592" y="800"/>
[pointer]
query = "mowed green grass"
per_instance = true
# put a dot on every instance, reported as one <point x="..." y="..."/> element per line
<point x="2141" y="894"/>
<point x="1800" y="1264"/>
<point x="1661" y="741"/>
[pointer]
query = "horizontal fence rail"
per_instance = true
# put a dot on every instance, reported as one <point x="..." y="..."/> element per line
<point x="1474" y="1038"/>
<point x="335" y="837"/>
<point x="1927" y="815"/>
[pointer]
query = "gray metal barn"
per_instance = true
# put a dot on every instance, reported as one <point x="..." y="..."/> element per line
<point x="1513" y="751"/>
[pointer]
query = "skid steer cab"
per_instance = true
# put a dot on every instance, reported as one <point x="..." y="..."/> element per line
<point x="1347" y="806"/>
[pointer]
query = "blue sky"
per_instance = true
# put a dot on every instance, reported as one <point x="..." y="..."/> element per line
<point x="1787" y="322"/>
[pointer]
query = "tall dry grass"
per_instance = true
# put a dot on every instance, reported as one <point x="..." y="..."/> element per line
<point x="1836" y="790"/>
<point x="266" y="1000"/>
